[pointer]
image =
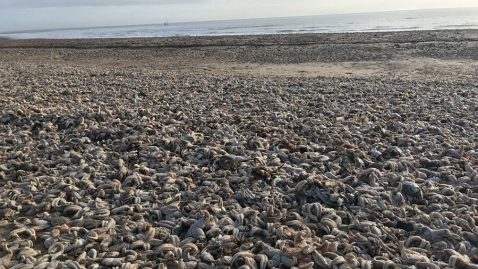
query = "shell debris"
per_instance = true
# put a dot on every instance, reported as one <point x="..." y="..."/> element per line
<point x="114" y="168"/>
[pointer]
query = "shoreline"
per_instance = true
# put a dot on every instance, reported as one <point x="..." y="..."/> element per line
<point x="419" y="36"/>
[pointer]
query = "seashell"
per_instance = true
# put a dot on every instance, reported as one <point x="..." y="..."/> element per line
<point x="130" y="266"/>
<point x="457" y="261"/>
<point x="327" y="225"/>
<point x="93" y="253"/>
<point x="197" y="233"/>
<point x="338" y="261"/>
<point x="72" y="210"/>
<point x="114" y="168"/>
<point x="243" y="258"/>
<point x="427" y="265"/>
<point x="375" y="154"/>
<point x="312" y="211"/>
<point x="411" y="257"/>
<point x="411" y="190"/>
<point x="72" y="264"/>
<point x="22" y="231"/>
<point x="56" y="250"/>
<point x="262" y="260"/>
<point x="282" y="260"/>
<point x="21" y="222"/>
<point x="416" y="241"/>
<point x="112" y="262"/>
<point x="207" y="257"/>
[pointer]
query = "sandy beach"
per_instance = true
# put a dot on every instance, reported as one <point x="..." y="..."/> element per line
<point x="282" y="151"/>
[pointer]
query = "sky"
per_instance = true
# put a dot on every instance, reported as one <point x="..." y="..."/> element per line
<point x="20" y="15"/>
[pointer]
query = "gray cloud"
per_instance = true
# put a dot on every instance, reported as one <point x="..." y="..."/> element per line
<point x="77" y="3"/>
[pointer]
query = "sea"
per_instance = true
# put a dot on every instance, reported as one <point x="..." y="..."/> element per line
<point x="432" y="19"/>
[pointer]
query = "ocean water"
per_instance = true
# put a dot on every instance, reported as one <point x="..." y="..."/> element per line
<point x="438" y="19"/>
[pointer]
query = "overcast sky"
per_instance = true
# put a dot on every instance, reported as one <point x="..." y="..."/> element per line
<point x="18" y="15"/>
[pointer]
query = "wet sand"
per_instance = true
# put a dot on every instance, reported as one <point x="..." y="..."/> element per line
<point x="416" y="55"/>
<point x="304" y="151"/>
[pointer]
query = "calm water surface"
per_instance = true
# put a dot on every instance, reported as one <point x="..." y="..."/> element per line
<point x="440" y="19"/>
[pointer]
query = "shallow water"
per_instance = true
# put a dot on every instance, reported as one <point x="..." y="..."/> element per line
<point x="439" y="19"/>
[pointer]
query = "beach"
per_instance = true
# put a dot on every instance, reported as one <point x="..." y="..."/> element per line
<point x="344" y="150"/>
<point x="418" y="55"/>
